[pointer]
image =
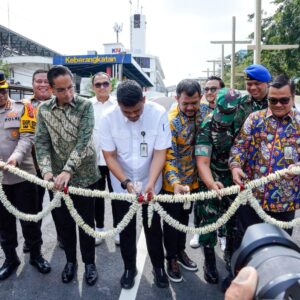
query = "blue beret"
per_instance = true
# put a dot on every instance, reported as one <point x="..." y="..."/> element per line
<point x="258" y="72"/>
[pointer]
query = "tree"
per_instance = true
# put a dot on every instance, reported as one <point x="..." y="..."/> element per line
<point x="4" y="68"/>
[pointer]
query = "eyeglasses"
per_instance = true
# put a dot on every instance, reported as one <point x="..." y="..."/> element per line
<point x="63" y="90"/>
<point x="105" y="84"/>
<point x="283" y="100"/>
<point x="213" y="89"/>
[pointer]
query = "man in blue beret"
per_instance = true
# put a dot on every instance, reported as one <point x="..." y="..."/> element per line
<point x="257" y="79"/>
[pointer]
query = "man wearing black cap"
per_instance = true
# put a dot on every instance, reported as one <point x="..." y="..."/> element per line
<point x="16" y="139"/>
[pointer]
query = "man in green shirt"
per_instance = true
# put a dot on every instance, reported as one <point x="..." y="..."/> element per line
<point x="66" y="155"/>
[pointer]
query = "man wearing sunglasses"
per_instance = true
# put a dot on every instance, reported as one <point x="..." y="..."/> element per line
<point x="102" y="101"/>
<point x="16" y="140"/>
<point x="268" y="142"/>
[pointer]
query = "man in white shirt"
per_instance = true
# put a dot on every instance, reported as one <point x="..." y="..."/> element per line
<point x="134" y="138"/>
<point x="101" y="83"/>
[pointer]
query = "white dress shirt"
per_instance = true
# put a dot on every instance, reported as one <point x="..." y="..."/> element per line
<point x="120" y="134"/>
<point x="99" y="109"/>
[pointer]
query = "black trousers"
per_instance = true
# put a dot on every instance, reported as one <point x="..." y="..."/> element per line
<point x="128" y="237"/>
<point x="174" y="240"/>
<point x="67" y="228"/>
<point x="100" y="202"/>
<point x="24" y="197"/>
<point x="246" y="216"/>
<point x="41" y="193"/>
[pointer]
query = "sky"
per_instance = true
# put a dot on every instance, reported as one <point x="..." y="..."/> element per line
<point x="178" y="31"/>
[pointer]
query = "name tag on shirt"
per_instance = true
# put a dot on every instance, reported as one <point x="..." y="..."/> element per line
<point x="143" y="149"/>
<point x="288" y="152"/>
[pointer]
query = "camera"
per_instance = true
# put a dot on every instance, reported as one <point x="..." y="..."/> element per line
<point x="271" y="251"/>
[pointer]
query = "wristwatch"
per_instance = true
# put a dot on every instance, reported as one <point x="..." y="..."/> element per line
<point x="124" y="183"/>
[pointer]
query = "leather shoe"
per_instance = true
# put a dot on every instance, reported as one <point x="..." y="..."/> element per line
<point x="68" y="273"/>
<point x="8" y="267"/>
<point x="41" y="264"/>
<point x="91" y="274"/>
<point x="127" y="279"/>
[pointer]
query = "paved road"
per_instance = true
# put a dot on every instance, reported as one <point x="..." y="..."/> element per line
<point x="28" y="284"/>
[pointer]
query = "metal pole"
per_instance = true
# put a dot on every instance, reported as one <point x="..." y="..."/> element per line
<point x="214" y="68"/>
<point x="232" y="79"/>
<point x="257" y="33"/>
<point x="222" y="63"/>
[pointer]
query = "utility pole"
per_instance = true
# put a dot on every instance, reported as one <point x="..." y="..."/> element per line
<point x="258" y="47"/>
<point x="233" y="42"/>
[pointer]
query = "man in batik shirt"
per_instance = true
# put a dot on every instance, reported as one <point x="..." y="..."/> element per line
<point x="268" y="142"/>
<point x="180" y="173"/>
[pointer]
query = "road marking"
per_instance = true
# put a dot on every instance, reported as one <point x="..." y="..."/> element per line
<point x="140" y="262"/>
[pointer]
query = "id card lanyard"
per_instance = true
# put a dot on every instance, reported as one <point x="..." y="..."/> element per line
<point x="143" y="146"/>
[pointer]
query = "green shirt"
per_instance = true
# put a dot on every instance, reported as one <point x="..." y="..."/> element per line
<point x="63" y="140"/>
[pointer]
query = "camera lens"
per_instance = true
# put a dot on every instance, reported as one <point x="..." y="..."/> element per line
<point x="274" y="255"/>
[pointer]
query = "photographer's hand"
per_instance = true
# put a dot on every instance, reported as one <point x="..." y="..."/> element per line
<point x="243" y="286"/>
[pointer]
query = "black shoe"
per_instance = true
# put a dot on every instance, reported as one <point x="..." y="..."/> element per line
<point x="210" y="269"/>
<point x="160" y="277"/>
<point x="127" y="279"/>
<point x="68" y="273"/>
<point x="226" y="282"/>
<point x="8" y="267"/>
<point x="186" y="262"/>
<point x="25" y="248"/>
<point x="173" y="270"/>
<point x="41" y="264"/>
<point x="91" y="274"/>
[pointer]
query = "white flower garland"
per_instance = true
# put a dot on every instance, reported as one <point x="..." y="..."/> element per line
<point x="103" y="234"/>
<point x="28" y="217"/>
<point x="242" y="198"/>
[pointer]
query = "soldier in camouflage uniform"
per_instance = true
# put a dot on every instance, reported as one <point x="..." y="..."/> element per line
<point x="212" y="149"/>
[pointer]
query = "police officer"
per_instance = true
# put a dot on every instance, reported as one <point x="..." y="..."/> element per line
<point x="17" y="123"/>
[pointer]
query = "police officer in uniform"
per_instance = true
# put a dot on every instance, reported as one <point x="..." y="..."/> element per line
<point x="17" y="123"/>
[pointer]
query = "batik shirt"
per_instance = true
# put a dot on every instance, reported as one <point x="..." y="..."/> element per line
<point x="267" y="144"/>
<point x="180" y="167"/>
<point x="63" y="140"/>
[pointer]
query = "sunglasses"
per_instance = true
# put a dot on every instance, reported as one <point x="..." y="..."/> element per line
<point x="104" y="84"/>
<point x="213" y="89"/>
<point x="283" y="100"/>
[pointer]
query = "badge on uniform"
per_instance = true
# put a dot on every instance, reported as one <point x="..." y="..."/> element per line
<point x="143" y="146"/>
<point x="288" y="152"/>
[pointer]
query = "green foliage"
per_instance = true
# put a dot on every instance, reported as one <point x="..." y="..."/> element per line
<point x="4" y="68"/>
<point x="281" y="28"/>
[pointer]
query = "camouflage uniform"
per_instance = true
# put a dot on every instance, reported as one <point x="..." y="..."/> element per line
<point x="214" y="139"/>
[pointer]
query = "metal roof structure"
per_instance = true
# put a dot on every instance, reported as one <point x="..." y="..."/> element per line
<point x="88" y="65"/>
<point x="13" y="43"/>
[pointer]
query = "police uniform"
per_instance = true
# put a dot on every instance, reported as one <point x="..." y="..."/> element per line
<point x="17" y="124"/>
